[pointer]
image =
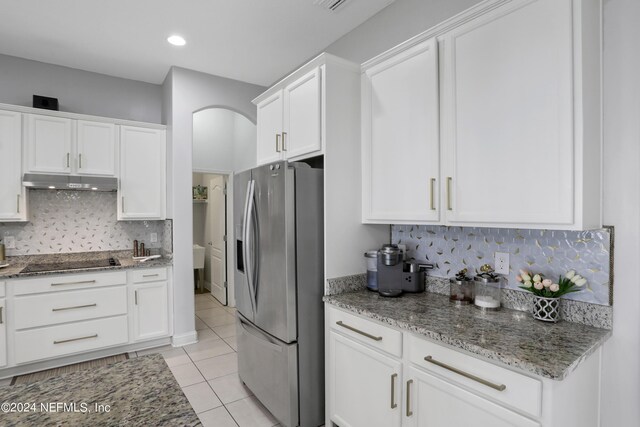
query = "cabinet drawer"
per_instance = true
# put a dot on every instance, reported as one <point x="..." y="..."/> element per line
<point x="520" y="391"/>
<point x="61" y="307"/>
<point x="44" y="343"/>
<point x="148" y="275"/>
<point x="381" y="337"/>
<point x="67" y="282"/>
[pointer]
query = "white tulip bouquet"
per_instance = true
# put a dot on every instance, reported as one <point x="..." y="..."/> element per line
<point x="538" y="285"/>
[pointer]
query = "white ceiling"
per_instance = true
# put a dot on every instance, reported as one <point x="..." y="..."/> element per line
<point x="256" y="41"/>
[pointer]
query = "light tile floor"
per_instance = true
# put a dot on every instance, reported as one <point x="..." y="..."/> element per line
<point x="208" y="371"/>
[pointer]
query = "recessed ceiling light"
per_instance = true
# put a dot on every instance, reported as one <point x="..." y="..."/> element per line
<point x="94" y="188"/>
<point x="176" y="40"/>
<point x="52" y="187"/>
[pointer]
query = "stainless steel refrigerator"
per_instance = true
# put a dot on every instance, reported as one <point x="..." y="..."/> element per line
<point x="279" y="281"/>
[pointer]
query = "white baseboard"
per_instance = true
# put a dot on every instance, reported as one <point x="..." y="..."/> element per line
<point x="184" y="339"/>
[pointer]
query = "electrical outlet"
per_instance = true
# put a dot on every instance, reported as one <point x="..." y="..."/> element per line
<point x="10" y="242"/>
<point x="502" y="262"/>
<point x="153" y="237"/>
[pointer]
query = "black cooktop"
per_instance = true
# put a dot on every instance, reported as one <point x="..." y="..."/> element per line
<point x="71" y="265"/>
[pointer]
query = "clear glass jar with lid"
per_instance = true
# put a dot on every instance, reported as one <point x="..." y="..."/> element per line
<point x="487" y="289"/>
<point x="461" y="288"/>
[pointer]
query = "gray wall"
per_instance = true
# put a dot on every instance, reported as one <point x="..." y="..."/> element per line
<point x="620" y="371"/>
<point x="396" y="23"/>
<point x="187" y="92"/>
<point x="79" y="91"/>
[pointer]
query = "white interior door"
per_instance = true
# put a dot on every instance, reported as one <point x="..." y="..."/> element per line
<point x="214" y="230"/>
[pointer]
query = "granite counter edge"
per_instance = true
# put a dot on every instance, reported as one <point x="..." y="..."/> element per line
<point x="556" y="375"/>
<point x="155" y="264"/>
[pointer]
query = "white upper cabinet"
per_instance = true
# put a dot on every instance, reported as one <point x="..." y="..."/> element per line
<point x="48" y="144"/>
<point x="519" y="113"/>
<point x="400" y="141"/>
<point x="96" y="148"/>
<point x="302" y="115"/>
<point x="12" y="193"/>
<point x="142" y="192"/>
<point x="290" y="117"/>
<point x="269" y="129"/>
<point x="513" y="155"/>
<point x="64" y="146"/>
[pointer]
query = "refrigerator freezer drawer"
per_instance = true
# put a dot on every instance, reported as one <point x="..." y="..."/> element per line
<point x="269" y="367"/>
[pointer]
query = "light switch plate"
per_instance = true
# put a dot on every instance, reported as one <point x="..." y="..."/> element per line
<point x="153" y="237"/>
<point x="502" y="262"/>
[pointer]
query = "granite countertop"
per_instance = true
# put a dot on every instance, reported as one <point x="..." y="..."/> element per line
<point x="18" y="263"/>
<point x="139" y="392"/>
<point x="510" y="337"/>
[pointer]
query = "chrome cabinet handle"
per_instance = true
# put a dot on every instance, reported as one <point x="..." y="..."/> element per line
<point x="135" y="296"/>
<point x="394" y="405"/>
<point x="284" y="141"/>
<point x="74" y="283"/>
<point x="409" y="411"/>
<point x="80" y="161"/>
<point x="1" y="317"/>
<point x="499" y="387"/>
<point x="68" y="159"/>
<point x="449" y="179"/>
<point x="277" y="142"/>
<point x="122" y="204"/>
<point x="76" y="339"/>
<point x="150" y="275"/>
<point x="74" y="307"/>
<point x="358" y="331"/>
<point x="18" y="204"/>
<point x="432" y="202"/>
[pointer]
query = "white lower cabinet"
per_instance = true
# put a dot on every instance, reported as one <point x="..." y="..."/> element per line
<point x="48" y="318"/>
<point x="43" y="343"/>
<point x="433" y="402"/>
<point x="150" y="314"/>
<point x="362" y="378"/>
<point x="369" y="382"/>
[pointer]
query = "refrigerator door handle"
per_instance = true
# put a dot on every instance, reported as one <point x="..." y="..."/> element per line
<point x="248" y="208"/>
<point x="254" y="227"/>
<point x="251" y="330"/>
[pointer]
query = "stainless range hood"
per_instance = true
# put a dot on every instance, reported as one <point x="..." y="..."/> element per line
<point x="69" y="182"/>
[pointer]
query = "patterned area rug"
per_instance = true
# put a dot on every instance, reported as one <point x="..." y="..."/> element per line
<point x="91" y="364"/>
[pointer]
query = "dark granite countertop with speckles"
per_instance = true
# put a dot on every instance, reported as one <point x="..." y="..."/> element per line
<point x="18" y="263"/>
<point x="139" y="392"/>
<point x="510" y="337"/>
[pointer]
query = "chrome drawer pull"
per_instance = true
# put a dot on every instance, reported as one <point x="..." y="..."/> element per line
<point x="76" y="339"/>
<point x="499" y="387"/>
<point x="394" y="405"/>
<point x="74" y="307"/>
<point x="357" y="331"/>
<point x="1" y="321"/>
<point x="84" y="282"/>
<point x="150" y="275"/>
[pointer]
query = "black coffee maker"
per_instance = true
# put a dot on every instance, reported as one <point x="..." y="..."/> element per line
<point x="395" y="275"/>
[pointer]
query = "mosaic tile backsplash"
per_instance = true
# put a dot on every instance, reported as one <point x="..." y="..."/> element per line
<point x="549" y="252"/>
<point x="79" y="221"/>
